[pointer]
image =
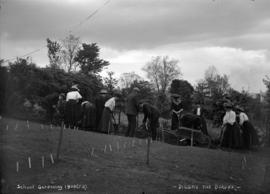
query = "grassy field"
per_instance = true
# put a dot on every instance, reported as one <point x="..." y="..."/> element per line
<point x="86" y="167"/>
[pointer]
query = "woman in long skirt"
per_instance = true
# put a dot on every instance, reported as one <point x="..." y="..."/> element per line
<point x="106" y="125"/>
<point x="88" y="116"/>
<point x="250" y="136"/>
<point x="231" y="137"/>
<point x="73" y="107"/>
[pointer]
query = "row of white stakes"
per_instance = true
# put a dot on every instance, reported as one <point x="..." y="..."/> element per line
<point x="41" y="126"/>
<point x="92" y="153"/>
<point x="30" y="162"/>
<point x="109" y="146"/>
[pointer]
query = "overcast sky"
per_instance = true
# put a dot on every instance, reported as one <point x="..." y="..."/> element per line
<point x="232" y="35"/>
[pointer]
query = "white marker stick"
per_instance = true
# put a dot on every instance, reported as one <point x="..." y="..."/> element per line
<point x="27" y="124"/>
<point x="29" y="162"/>
<point x="42" y="162"/>
<point x="51" y="126"/>
<point x="7" y="128"/>
<point x="52" y="159"/>
<point x="110" y="147"/>
<point x="16" y="126"/>
<point x="17" y="166"/>
<point x="105" y="148"/>
<point x="92" y="153"/>
<point x="118" y="147"/>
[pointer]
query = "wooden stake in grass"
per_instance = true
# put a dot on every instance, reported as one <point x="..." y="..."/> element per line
<point x="17" y="166"/>
<point x="27" y="122"/>
<point x="92" y="153"/>
<point x="148" y="150"/>
<point x="105" y="148"/>
<point x="42" y="162"/>
<point x="60" y="141"/>
<point x="7" y="127"/>
<point x="163" y="139"/>
<point x="118" y="147"/>
<point x="148" y="144"/>
<point x="29" y="162"/>
<point x="110" y="147"/>
<point x="52" y="159"/>
<point x="244" y="162"/>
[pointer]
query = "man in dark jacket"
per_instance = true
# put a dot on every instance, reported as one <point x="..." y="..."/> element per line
<point x="151" y="115"/>
<point x="200" y="111"/>
<point x="99" y="104"/>
<point x="132" y="108"/>
<point x="176" y="110"/>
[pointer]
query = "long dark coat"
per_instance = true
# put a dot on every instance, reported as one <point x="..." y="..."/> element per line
<point x="88" y="116"/>
<point x="72" y="113"/>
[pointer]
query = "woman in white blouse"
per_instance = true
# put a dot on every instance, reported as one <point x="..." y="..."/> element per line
<point x="105" y="124"/>
<point x="72" y="110"/>
<point x="231" y="133"/>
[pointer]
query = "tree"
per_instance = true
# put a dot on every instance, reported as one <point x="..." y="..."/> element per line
<point x="161" y="71"/>
<point x="110" y="82"/>
<point x="127" y="79"/>
<point x="266" y="81"/>
<point x="54" y="53"/>
<point x="88" y="59"/>
<point x="185" y="90"/>
<point x="213" y="86"/>
<point x="211" y="91"/>
<point x="217" y="84"/>
<point x="69" y="51"/>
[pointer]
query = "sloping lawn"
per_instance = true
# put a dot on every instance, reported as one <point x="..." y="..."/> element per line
<point x="86" y="166"/>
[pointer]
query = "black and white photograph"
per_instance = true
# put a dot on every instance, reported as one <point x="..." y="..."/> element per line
<point x="135" y="96"/>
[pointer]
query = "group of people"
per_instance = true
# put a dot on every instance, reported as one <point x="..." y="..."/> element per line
<point x="237" y="130"/>
<point x="151" y="114"/>
<point x="76" y="112"/>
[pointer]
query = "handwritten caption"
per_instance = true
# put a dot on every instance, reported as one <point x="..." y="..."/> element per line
<point x="81" y="187"/>
<point x="216" y="187"/>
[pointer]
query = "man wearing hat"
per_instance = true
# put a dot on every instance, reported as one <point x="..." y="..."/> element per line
<point x="72" y="110"/>
<point x="132" y="109"/>
<point x="99" y="103"/>
<point x="151" y="118"/>
<point x="176" y="108"/>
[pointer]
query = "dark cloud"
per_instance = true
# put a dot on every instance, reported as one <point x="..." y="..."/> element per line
<point x="136" y="24"/>
<point x="201" y="32"/>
